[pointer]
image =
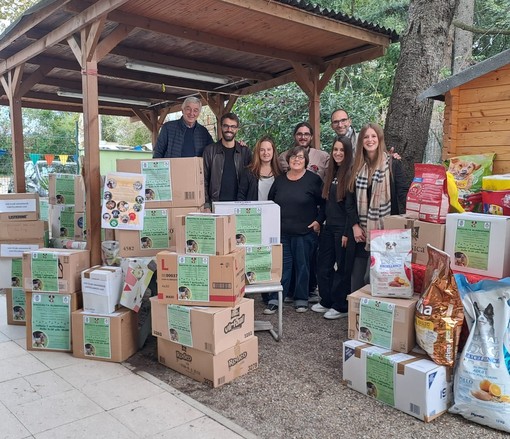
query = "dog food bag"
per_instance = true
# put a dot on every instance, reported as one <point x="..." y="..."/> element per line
<point x="482" y="377"/>
<point x="496" y="202"/>
<point x="427" y="198"/>
<point x="390" y="263"/>
<point x="439" y="312"/>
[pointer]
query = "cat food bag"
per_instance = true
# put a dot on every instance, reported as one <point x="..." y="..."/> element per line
<point x="439" y="312"/>
<point x="427" y="198"/>
<point x="482" y="377"/>
<point x="390" y="263"/>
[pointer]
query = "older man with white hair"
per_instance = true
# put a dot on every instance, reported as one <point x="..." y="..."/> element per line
<point x="184" y="137"/>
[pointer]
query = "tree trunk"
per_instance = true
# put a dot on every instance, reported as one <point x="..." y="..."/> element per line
<point x="421" y="59"/>
<point x="463" y="39"/>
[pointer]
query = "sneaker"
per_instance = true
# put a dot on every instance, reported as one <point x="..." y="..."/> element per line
<point x="314" y="297"/>
<point x="271" y="309"/>
<point x="288" y="300"/>
<point x="333" y="314"/>
<point x="301" y="309"/>
<point x="319" y="308"/>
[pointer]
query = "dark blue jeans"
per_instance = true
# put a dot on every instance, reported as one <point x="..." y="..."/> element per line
<point x="297" y="252"/>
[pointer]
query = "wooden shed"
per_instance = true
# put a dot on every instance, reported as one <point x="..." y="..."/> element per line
<point x="477" y="113"/>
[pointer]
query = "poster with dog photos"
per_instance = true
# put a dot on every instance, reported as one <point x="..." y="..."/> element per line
<point x="201" y="234"/>
<point x="376" y="322"/>
<point x="155" y="233"/>
<point x="248" y="225"/>
<point x="96" y="337"/>
<point x="45" y="270"/>
<point x="381" y="378"/>
<point x="51" y="321"/>
<point x="64" y="188"/>
<point x="193" y="278"/>
<point x="158" y="181"/>
<point x="123" y="201"/>
<point x="258" y="263"/>
<point x="179" y="324"/>
<point x="472" y="244"/>
<point x="18" y="304"/>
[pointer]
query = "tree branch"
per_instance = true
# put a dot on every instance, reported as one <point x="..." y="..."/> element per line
<point x="480" y="30"/>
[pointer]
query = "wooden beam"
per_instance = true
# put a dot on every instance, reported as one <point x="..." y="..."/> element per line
<point x="78" y="22"/>
<point x="303" y="79"/>
<point x="106" y="45"/>
<point x="92" y="34"/>
<point x="34" y="78"/>
<point x="74" y="44"/>
<point x="143" y="118"/>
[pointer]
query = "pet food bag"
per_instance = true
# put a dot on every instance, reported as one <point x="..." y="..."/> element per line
<point x="482" y="377"/>
<point x="439" y="312"/>
<point x="496" y="202"/>
<point x="390" y="263"/>
<point x="427" y="198"/>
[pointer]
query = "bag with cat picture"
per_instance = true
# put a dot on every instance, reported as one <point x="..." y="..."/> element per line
<point x="482" y="377"/>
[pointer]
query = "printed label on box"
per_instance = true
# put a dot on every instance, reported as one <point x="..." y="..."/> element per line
<point x="193" y="278"/>
<point x="16" y="250"/>
<point x="259" y="263"/>
<point x="376" y="322"/>
<point x="96" y="337"/>
<point x="179" y="324"/>
<point x="201" y="234"/>
<point x="158" y="186"/>
<point x="12" y="206"/>
<point x="18" y="304"/>
<point x="45" y="267"/>
<point x="380" y="378"/>
<point x="248" y="225"/>
<point x="155" y="229"/>
<point x="51" y="321"/>
<point x="472" y="244"/>
<point x="64" y="188"/>
<point x="67" y="222"/>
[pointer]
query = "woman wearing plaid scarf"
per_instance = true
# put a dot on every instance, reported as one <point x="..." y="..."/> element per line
<point x="376" y="190"/>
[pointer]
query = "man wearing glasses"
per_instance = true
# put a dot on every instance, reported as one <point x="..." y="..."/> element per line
<point x="318" y="160"/>
<point x="224" y="163"/>
<point x="184" y="137"/>
<point x="341" y="124"/>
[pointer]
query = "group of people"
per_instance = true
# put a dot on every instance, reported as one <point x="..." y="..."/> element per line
<point x="329" y="203"/>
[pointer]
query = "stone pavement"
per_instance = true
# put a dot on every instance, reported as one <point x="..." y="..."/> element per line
<point x="55" y="395"/>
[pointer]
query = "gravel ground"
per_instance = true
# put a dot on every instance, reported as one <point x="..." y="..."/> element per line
<point x="297" y="392"/>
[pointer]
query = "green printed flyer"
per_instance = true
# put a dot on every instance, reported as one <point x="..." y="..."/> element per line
<point x="201" y="234"/>
<point x="380" y="378"/>
<point x="96" y="337"/>
<point x="155" y="233"/>
<point x="43" y="209"/>
<point x="259" y="263"/>
<point x="472" y="244"/>
<point x="193" y="278"/>
<point x="18" y="304"/>
<point x="248" y="225"/>
<point x="16" y="273"/>
<point x="44" y="272"/>
<point x="158" y="183"/>
<point x="376" y="322"/>
<point x="67" y="222"/>
<point x="51" y="321"/>
<point x="64" y="188"/>
<point x="179" y="324"/>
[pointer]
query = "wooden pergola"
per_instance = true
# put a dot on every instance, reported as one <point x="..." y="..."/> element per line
<point x="141" y="58"/>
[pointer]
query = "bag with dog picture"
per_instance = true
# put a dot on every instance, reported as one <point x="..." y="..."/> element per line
<point x="482" y="377"/>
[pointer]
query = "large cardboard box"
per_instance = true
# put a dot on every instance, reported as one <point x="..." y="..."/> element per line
<point x="105" y="337"/>
<point x="412" y="384"/>
<point x="264" y="263"/>
<point x="257" y="222"/>
<point x="19" y="207"/>
<point x="479" y="243"/>
<point x="423" y="233"/>
<point x="175" y="182"/>
<point x="214" y="370"/>
<point x="48" y="321"/>
<point x="101" y="288"/>
<point x="386" y="322"/>
<point x="206" y="329"/>
<point x="200" y="279"/>
<point x="16" y="306"/>
<point x="67" y="189"/>
<point x="11" y="231"/>
<point x="158" y="233"/>
<point x="54" y="270"/>
<point x="205" y="233"/>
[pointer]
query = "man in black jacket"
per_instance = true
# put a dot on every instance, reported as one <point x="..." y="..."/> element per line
<point x="184" y="137"/>
<point x="224" y="163"/>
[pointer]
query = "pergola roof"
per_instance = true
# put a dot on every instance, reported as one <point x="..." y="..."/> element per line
<point x="254" y="44"/>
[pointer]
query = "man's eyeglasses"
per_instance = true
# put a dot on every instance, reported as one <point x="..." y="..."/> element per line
<point x="340" y="121"/>
<point x="229" y="127"/>
<point x="297" y="157"/>
<point x="303" y="135"/>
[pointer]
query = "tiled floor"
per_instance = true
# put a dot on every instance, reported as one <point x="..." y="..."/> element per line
<point x="52" y="395"/>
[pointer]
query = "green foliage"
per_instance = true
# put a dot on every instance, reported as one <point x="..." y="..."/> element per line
<point x="120" y="130"/>
<point x="491" y="14"/>
<point x="10" y="10"/>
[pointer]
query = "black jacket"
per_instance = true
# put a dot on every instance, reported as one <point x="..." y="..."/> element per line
<point x="213" y="168"/>
<point x="248" y="187"/>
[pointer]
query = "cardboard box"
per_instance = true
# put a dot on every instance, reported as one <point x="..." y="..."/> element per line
<point x="67" y="189"/>
<point x="264" y="263"/>
<point x="57" y="270"/>
<point x="107" y="337"/>
<point x="257" y="222"/>
<point x="479" y="243"/>
<point x="16" y="249"/>
<point x="205" y="234"/>
<point x="16" y="306"/>
<point x="49" y="321"/>
<point x="386" y="322"/>
<point x="175" y="182"/>
<point x="80" y="226"/>
<point x="206" y="329"/>
<point x="158" y="233"/>
<point x="62" y="220"/>
<point x="101" y="288"/>
<point x="201" y="280"/>
<point x="423" y="233"/>
<point x="21" y="231"/>
<point x="214" y="370"/>
<point x="19" y="207"/>
<point x="412" y="384"/>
